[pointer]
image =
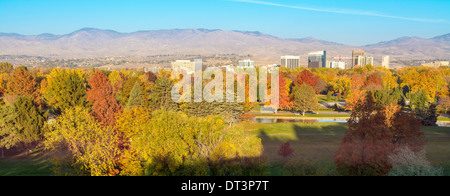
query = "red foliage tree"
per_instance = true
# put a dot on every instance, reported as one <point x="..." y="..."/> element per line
<point x="373" y="134"/>
<point x="104" y="104"/>
<point x="309" y="78"/>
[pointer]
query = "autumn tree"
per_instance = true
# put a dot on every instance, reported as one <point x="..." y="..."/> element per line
<point x="374" y="132"/>
<point x="172" y="143"/>
<point x="286" y="102"/>
<point x="305" y="99"/>
<point x="309" y="78"/>
<point x="81" y="143"/>
<point x="356" y="92"/>
<point x="103" y="100"/>
<point x="23" y="84"/>
<point x="64" y="89"/>
<point x="6" y="67"/>
<point x="373" y="82"/>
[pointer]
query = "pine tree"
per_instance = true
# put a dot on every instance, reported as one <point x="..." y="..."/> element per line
<point x="136" y="97"/>
<point x="21" y="123"/>
<point x="162" y="95"/>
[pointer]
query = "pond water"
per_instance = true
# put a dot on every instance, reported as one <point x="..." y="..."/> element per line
<point x="280" y="120"/>
<point x="321" y="120"/>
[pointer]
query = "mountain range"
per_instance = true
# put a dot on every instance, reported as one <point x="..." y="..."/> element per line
<point x="264" y="48"/>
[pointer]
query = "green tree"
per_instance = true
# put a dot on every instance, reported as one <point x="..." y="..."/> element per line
<point x="8" y="130"/>
<point x="22" y="123"/>
<point x="305" y="99"/>
<point x="418" y="99"/>
<point x="136" y="97"/>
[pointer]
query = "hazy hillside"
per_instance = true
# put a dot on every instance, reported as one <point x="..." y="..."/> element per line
<point x="264" y="48"/>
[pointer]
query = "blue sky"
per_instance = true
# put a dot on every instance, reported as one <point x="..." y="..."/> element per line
<point x="355" y="22"/>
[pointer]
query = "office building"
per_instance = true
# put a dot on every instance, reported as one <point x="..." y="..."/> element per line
<point x="364" y="60"/>
<point x="317" y="59"/>
<point x="436" y="64"/>
<point x="246" y="64"/>
<point x="337" y="64"/>
<point x="385" y="61"/>
<point x="185" y="65"/>
<point x="355" y="54"/>
<point x="290" y="62"/>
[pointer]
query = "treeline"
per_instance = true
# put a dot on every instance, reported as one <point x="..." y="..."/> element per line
<point x="97" y="122"/>
<point x="419" y="90"/>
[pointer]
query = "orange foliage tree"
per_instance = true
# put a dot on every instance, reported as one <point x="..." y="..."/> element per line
<point x="356" y="92"/>
<point x="23" y="84"/>
<point x="102" y="97"/>
<point x="286" y="102"/>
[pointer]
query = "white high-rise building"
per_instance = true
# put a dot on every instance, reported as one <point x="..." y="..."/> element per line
<point x="337" y="64"/>
<point x="385" y="61"/>
<point x="290" y="62"/>
<point x="246" y="63"/>
<point x="364" y="60"/>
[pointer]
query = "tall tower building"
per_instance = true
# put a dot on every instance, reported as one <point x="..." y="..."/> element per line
<point x="317" y="59"/>
<point x="355" y="54"/>
<point x="385" y="61"/>
<point x="291" y="62"/>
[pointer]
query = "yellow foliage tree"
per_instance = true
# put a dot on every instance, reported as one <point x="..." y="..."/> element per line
<point x="85" y="145"/>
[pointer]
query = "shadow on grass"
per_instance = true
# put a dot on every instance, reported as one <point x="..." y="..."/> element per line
<point x="312" y="142"/>
<point x="20" y="164"/>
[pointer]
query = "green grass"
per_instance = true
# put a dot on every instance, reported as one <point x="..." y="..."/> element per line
<point x="34" y="164"/>
<point x="321" y="147"/>
<point x="440" y="118"/>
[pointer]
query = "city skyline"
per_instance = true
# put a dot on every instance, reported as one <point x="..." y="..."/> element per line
<point x="347" y="22"/>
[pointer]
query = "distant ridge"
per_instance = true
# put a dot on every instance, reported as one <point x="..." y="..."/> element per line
<point x="92" y="42"/>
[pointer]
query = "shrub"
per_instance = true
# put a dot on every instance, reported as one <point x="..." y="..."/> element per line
<point x="406" y="162"/>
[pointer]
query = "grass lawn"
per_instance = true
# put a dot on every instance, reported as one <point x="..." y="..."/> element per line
<point x="35" y="164"/>
<point x="319" y="141"/>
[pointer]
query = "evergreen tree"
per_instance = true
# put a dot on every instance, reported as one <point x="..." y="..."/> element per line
<point x="21" y="123"/>
<point x="162" y="95"/>
<point x="7" y="128"/>
<point x="136" y="97"/>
